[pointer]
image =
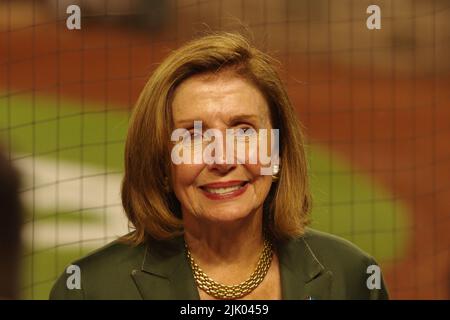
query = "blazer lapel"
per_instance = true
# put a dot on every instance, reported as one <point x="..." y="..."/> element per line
<point x="302" y="274"/>
<point x="165" y="272"/>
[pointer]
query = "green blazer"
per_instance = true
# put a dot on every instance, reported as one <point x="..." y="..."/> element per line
<point x="314" y="266"/>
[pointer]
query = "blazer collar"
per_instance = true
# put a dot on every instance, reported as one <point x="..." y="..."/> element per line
<point x="166" y="274"/>
<point x="303" y="276"/>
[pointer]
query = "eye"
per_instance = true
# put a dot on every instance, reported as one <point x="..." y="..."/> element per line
<point x="191" y="137"/>
<point x="195" y="135"/>
<point x="245" y="134"/>
<point x="245" y="131"/>
<point x="241" y="130"/>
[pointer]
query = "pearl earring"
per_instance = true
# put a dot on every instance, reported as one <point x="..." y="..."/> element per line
<point x="275" y="171"/>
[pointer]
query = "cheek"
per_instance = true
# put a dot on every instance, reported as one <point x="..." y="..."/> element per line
<point x="254" y="170"/>
<point x="262" y="183"/>
<point x="184" y="175"/>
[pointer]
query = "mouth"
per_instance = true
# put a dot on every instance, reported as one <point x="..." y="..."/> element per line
<point x="224" y="190"/>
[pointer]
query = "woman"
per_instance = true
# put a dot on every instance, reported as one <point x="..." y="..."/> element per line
<point x="210" y="228"/>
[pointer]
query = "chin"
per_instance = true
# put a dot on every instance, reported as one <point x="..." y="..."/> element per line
<point x="228" y="214"/>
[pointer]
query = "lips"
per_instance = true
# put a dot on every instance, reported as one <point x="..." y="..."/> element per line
<point x="224" y="190"/>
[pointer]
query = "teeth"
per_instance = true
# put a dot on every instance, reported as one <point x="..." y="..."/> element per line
<point x="223" y="190"/>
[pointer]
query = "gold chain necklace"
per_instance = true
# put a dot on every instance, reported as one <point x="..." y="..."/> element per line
<point x="221" y="291"/>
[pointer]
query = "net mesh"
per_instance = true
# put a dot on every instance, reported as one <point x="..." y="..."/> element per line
<point x="374" y="104"/>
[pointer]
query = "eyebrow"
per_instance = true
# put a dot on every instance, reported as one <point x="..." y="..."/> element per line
<point x="230" y="121"/>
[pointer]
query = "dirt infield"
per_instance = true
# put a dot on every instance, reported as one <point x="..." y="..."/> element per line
<point x="395" y="127"/>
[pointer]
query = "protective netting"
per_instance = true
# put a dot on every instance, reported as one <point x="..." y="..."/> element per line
<point x="374" y="103"/>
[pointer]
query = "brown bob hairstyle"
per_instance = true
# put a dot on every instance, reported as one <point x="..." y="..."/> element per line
<point x="152" y="209"/>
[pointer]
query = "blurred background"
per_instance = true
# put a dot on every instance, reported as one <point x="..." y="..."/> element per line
<point x="375" y="105"/>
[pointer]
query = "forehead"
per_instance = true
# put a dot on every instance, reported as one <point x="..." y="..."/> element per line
<point x="218" y="99"/>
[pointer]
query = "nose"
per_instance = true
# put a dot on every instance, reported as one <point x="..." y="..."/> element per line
<point x="223" y="159"/>
<point x="220" y="163"/>
<point x="221" y="168"/>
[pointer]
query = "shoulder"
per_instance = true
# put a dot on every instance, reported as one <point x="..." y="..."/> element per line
<point x="114" y="254"/>
<point x="331" y="247"/>
<point x="350" y="266"/>
<point x="99" y="272"/>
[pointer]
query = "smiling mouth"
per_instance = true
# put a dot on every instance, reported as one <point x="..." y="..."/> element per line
<point x="221" y="190"/>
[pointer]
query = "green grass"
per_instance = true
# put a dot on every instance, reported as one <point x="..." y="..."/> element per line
<point x="53" y="217"/>
<point x="41" y="268"/>
<point x="352" y="205"/>
<point x="66" y="132"/>
<point x="346" y="203"/>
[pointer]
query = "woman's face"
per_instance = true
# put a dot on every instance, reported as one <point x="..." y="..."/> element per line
<point x="220" y="192"/>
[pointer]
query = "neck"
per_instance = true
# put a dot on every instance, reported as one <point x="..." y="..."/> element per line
<point x="218" y="243"/>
